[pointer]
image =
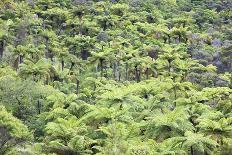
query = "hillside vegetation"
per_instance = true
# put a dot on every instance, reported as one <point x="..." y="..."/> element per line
<point x="115" y="77"/>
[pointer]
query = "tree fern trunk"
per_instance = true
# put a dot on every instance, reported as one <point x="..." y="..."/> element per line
<point x="96" y="70"/>
<point x="118" y="71"/>
<point x="1" y="48"/>
<point x="39" y="107"/>
<point x="175" y="94"/>
<point x="62" y="64"/>
<point x="114" y="71"/>
<point x="77" y="87"/>
<point x="147" y="73"/>
<point x="169" y="39"/>
<point x="192" y="151"/>
<point x="169" y="67"/>
<point x="137" y="76"/>
<point x="126" y="71"/>
<point x="47" y="51"/>
<point x="101" y="67"/>
<point x="106" y="73"/>
<point x="179" y="38"/>
<point x="20" y="59"/>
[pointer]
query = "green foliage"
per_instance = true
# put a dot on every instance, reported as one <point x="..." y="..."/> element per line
<point x="133" y="77"/>
<point x="12" y="132"/>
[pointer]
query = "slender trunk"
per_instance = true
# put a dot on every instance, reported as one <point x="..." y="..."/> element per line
<point x="72" y="65"/>
<point x="169" y="39"/>
<point x="221" y="141"/>
<point x="169" y="66"/>
<point x="101" y="66"/>
<point x="106" y="73"/>
<point x="20" y="59"/>
<point x="77" y="87"/>
<point x="119" y="74"/>
<point x="126" y="71"/>
<point x="175" y="92"/>
<point x="192" y="152"/>
<point x="147" y="73"/>
<point x="1" y="48"/>
<point x="62" y="64"/>
<point x="16" y="63"/>
<point x="47" y="80"/>
<point x="114" y="71"/>
<point x="179" y="38"/>
<point x="47" y="51"/>
<point x="39" y="106"/>
<point x="137" y="76"/>
<point x="94" y="86"/>
<point x="96" y="71"/>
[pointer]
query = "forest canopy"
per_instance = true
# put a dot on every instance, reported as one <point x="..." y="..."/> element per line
<point x="115" y="77"/>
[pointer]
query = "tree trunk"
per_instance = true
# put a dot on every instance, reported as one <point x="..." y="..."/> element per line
<point x="20" y="59"/>
<point x="104" y="25"/>
<point x="47" y="80"/>
<point x="114" y="71"/>
<point x="175" y="95"/>
<point x="179" y="38"/>
<point x="85" y="54"/>
<point x="126" y="71"/>
<point x="39" y="107"/>
<point x="16" y="64"/>
<point x="106" y="73"/>
<point x="169" y="66"/>
<point x="72" y="65"/>
<point x="175" y="91"/>
<point x="77" y="87"/>
<point x="96" y="70"/>
<point x="118" y="72"/>
<point x="101" y="66"/>
<point x="62" y="64"/>
<point x="169" y="39"/>
<point x="1" y="48"/>
<point x="147" y="73"/>
<point x="137" y="75"/>
<point x="192" y="152"/>
<point x="47" y="51"/>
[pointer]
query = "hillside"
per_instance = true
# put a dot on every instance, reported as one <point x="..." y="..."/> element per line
<point x="115" y="77"/>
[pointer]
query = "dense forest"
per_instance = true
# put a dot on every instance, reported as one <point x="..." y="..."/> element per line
<point x="116" y="77"/>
